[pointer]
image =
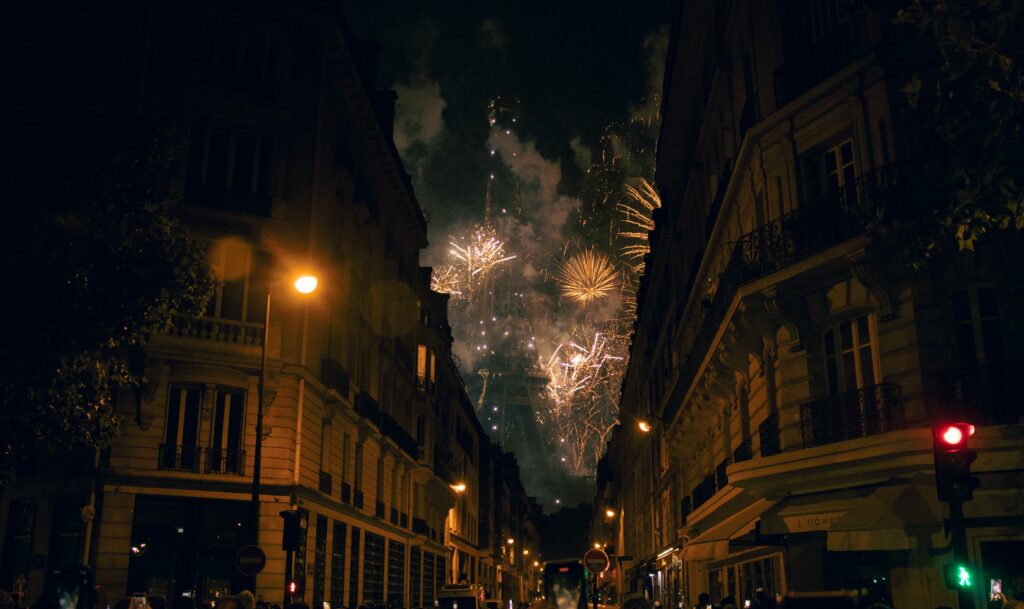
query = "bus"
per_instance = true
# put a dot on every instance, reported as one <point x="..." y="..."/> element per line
<point x="565" y="584"/>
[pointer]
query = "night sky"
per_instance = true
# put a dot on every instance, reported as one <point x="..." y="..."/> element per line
<point x="582" y="83"/>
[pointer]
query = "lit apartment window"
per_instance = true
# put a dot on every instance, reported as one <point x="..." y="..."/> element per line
<point x="979" y="341"/>
<point x="226" y="443"/>
<point x="242" y="274"/>
<point x="181" y="433"/>
<point x="850" y="358"/>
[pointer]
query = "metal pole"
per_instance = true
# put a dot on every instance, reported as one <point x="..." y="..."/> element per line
<point x="965" y="596"/>
<point x="254" y="507"/>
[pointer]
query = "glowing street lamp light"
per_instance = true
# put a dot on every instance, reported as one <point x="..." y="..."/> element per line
<point x="644" y="426"/>
<point x="459" y="487"/>
<point x="526" y="552"/>
<point x="306" y="284"/>
<point x="597" y="545"/>
<point x="609" y="513"/>
<point x="510" y="541"/>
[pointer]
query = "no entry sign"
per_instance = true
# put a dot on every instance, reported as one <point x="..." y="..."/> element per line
<point x="250" y="560"/>
<point x="596" y="561"/>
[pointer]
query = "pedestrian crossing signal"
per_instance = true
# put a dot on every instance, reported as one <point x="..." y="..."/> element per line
<point x="958" y="576"/>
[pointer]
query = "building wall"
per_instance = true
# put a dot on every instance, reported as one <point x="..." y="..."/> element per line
<point x="752" y="271"/>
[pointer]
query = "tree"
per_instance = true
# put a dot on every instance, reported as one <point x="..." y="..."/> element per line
<point x="95" y="266"/>
<point x="974" y="99"/>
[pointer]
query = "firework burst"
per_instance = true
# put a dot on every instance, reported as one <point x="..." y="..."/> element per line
<point x="470" y="260"/>
<point x="583" y="374"/>
<point x="587" y="277"/>
<point x="637" y="214"/>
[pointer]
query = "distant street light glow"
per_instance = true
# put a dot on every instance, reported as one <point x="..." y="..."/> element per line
<point x="643" y="425"/>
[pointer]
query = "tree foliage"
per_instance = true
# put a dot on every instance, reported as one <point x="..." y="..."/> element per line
<point x="974" y="99"/>
<point x="95" y="266"/>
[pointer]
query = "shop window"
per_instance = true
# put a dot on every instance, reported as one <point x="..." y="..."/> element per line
<point x="850" y="356"/>
<point x="415" y="576"/>
<point x="396" y="573"/>
<point x="354" y="562"/>
<point x="319" y="560"/>
<point x="373" y="570"/>
<point x="338" y="565"/>
<point x="979" y="341"/>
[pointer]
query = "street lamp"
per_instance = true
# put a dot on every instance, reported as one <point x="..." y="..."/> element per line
<point x="304" y="284"/>
<point x="644" y="426"/>
<point x="459" y="487"/>
<point x="609" y="513"/>
<point x="510" y="541"/>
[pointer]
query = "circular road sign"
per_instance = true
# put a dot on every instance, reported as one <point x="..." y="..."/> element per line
<point x="250" y="560"/>
<point x="596" y="561"/>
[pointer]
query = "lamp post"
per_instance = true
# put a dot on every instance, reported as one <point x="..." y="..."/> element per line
<point x="305" y="284"/>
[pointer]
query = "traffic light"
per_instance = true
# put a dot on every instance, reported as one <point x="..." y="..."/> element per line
<point x="958" y="575"/>
<point x="296" y="586"/>
<point x="294" y="530"/>
<point x="953" y="460"/>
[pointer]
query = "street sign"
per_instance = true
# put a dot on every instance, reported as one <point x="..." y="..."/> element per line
<point x="250" y="560"/>
<point x="596" y="561"/>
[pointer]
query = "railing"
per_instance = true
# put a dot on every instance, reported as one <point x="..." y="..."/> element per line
<point x="394" y="516"/>
<point x="419" y="526"/>
<point x="200" y="459"/>
<point x="982" y="395"/>
<point x="217" y="330"/>
<point x="768" y="432"/>
<point x="424" y="384"/>
<point x="854" y="414"/>
<point x="893" y="191"/>
<point x="392" y="429"/>
<point x="346" y="492"/>
<point x="357" y="498"/>
<point x="379" y="509"/>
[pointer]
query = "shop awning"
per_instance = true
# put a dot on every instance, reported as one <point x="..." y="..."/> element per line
<point x="891" y="517"/>
<point x="714" y="542"/>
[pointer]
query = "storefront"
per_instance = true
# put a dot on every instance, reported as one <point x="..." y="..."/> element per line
<point x="186" y="546"/>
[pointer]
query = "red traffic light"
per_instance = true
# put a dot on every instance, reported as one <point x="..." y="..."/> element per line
<point x="954" y="435"/>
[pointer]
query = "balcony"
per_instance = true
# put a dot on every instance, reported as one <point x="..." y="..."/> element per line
<point x="982" y="395"/>
<point x="392" y="429"/>
<point x="200" y="460"/>
<point x="379" y="509"/>
<point x="346" y="492"/>
<point x="854" y="414"/>
<point x="357" y="499"/>
<point x="211" y="329"/>
<point x="419" y="526"/>
<point x="768" y="432"/>
<point x="894" y="191"/>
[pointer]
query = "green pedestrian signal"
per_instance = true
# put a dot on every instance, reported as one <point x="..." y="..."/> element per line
<point x="958" y="576"/>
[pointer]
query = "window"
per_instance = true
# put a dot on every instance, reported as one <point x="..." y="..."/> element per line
<point x="850" y="360"/>
<point x="226" y="443"/>
<point x="243" y="274"/>
<point x="230" y="168"/>
<point x="358" y="483"/>
<point x="354" y="562"/>
<point x="979" y="341"/>
<point x="338" y="565"/>
<point x="179" y="450"/>
<point x="830" y="176"/>
<point x="240" y="56"/>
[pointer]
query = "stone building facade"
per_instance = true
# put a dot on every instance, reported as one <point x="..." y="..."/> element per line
<point x="790" y="368"/>
<point x="288" y="168"/>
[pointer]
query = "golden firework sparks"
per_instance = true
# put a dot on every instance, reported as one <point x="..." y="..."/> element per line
<point x="479" y="253"/>
<point x="583" y="374"/>
<point x="447" y="279"/>
<point x="587" y="277"/>
<point x="637" y="214"/>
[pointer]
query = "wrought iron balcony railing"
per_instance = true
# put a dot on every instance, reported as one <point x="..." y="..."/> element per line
<point x="217" y="330"/>
<point x="200" y="459"/>
<point x="853" y="414"/>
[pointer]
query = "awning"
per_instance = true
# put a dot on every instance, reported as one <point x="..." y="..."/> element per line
<point x="899" y="516"/>
<point x="714" y="542"/>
